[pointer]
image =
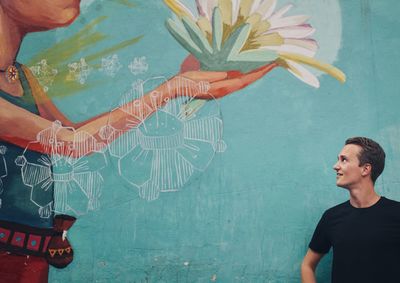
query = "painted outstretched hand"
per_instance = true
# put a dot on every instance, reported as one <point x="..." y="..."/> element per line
<point x="221" y="83"/>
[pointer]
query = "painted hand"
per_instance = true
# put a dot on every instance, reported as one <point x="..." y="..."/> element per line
<point x="221" y="83"/>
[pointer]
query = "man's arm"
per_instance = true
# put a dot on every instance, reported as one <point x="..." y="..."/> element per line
<point x="309" y="265"/>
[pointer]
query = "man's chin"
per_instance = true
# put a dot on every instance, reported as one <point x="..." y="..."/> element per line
<point x="341" y="185"/>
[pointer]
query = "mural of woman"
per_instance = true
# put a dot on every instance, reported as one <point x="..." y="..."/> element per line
<point x="26" y="111"/>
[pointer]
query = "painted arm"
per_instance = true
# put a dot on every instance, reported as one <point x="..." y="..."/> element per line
<point x="20" y="127"/>
<point x="309" y="265"/>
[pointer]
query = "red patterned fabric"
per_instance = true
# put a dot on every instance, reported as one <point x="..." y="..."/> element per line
<point x="23" y="269"/>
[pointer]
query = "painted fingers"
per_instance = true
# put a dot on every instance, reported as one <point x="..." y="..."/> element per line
<point x="235" y="81"/>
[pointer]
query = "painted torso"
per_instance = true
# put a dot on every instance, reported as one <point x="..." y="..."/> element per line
<point x="21" y="203"/>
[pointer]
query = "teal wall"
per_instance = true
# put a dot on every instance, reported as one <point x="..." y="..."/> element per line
<point x="250" y="215"/>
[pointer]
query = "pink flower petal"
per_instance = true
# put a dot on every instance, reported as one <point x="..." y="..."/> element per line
<point x="302" y="73"/>
<point x="288" y="21"/>
<point x="308" y="43"/>
<point x="278" y="14"/>
<point x="292" y="49"/>
<point x="301" y="31"/>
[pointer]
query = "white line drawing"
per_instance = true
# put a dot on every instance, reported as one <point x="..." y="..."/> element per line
<point x="110" y="65"/>
<point x="161" y="152"/>
<point x="66" y="173"/>
<point x="138" y="65"/>
<point x="44" y="73"/>
<point x="3" y="167"/>
<point x="79" y="71"/>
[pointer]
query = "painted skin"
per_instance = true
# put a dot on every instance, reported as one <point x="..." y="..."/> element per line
<point x="38" y="15"/>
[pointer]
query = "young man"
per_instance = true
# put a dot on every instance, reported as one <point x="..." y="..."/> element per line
<point x="364" y="231"/>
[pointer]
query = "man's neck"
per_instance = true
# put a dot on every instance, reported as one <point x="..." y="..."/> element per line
<point x="363" y="196"/>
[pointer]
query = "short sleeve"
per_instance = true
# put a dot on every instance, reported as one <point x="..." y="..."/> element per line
<point x="320" y="242"/>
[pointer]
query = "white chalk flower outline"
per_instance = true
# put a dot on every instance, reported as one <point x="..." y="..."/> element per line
<point x="69" y="173"/>
<point x="161" y="153"/>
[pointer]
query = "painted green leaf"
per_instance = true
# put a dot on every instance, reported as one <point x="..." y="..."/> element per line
<point x="196" y="35"/>
<point x="236" y="40"/>
<point x="259" y="55"/>
<point x="217" y="29"/>
<point x="183" y="38"/>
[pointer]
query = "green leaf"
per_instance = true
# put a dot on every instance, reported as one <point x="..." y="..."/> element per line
<point x="197" y="35"/>
<point x="259" y="55"/>
<point x="237" y="40"/>
<point x="217" y="29"/>
<point x="183" y="38"/>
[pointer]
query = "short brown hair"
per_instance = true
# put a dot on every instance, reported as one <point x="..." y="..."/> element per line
<point x="372" y="153"/>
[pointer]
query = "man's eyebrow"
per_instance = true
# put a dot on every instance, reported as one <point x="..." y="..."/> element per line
<point x="341" y="156"/>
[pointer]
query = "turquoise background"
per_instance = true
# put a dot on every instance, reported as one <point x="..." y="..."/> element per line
<point x="250" y="215"/>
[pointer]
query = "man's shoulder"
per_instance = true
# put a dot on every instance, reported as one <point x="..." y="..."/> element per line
<point x="345" y="205"/>
<point x="390" y="202"/>
<point x="338" y="207"/>
<point x="336" y="210"/>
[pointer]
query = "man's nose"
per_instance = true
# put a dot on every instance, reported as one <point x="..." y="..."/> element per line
<point x="336" y="166"/>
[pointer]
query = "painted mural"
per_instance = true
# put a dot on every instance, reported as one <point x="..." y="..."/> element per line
<point x="113" y="117"/>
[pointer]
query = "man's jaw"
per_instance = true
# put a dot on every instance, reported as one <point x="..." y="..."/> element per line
<point x="338" y="179"/>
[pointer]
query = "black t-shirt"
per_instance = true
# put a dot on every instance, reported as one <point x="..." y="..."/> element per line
<point x="365" y="242"/>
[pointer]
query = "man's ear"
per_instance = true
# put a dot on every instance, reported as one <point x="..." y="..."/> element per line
<point x="366" y="169"/>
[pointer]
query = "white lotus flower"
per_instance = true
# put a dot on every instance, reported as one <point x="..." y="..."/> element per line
<point x="246" y="34"/>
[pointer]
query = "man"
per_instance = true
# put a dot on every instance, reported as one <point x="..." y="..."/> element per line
<point x="364" y="231"/>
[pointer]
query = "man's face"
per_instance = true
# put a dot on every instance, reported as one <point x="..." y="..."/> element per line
<point x="348" y="171"/>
